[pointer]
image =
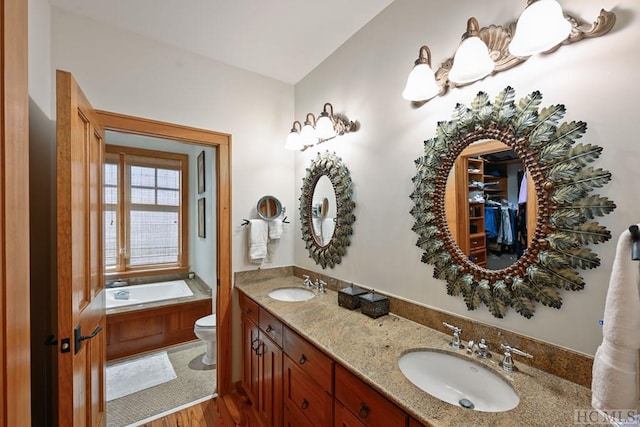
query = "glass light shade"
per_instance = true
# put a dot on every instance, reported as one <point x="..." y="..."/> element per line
<point x="293" y="142"/>
<point x="471" y="61"/>
<point x="421" y="84"/>
<point x="541" y="27"/>
<point x="324" y="128"/>
<point x="308" y="135"/>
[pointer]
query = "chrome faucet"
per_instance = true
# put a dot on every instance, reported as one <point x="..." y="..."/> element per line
<point x="507" y="361"/>
<point x="307" y="281"/>
<point x="320" y="286"/>
<point x="483" y="350"/>
<point x="455" y="343"/>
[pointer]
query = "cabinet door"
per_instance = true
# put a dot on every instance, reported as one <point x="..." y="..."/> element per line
<point x="270" y="381"/>
<point x="250" y="342"/>
<point x="344" y="418"/>
<point x="304" y="397"/>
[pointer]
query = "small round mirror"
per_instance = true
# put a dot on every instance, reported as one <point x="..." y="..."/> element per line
<point x="269" y="208"/>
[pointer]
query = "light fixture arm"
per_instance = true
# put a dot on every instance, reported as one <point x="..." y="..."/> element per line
<point x="497" y="39"/>
<point x="296" y="129"/>
<point x="473" y="28"/>
<point x="308" y="122"/>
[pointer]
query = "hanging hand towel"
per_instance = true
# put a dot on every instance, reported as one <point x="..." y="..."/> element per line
<point x="328" y="227"/>
<point x="275" y="228"/>
<point x="615" y="384"/>
<point x="257" y="239"/>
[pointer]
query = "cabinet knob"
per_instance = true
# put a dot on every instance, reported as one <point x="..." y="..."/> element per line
<point x="364" y="411"/>
<point x="305" y="404"/>
<point x="269" y="328"/>
<point x="303" y="359"/>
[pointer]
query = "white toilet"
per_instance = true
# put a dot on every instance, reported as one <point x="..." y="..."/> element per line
<point x="205" y="329"/>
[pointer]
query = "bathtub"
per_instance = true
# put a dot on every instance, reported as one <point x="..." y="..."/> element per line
<point x="151" y="292"/>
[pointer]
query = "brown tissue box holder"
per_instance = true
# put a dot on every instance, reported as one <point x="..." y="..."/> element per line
<point x="348" y="297"/>
<point x="374" y="305"/>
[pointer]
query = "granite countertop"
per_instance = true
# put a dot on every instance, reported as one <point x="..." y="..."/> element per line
<point x="370" y="348"/>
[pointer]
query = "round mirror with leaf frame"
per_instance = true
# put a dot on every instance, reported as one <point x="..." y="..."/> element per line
<point x="562" y="182"/>
<point x="326" y="209"/>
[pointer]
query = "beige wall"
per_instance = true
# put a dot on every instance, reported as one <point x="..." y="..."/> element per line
<point x="123" y="72"/>
<point x="595" y="79"/>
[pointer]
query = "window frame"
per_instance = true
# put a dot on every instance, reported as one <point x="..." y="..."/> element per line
<point x="157" y="159"/>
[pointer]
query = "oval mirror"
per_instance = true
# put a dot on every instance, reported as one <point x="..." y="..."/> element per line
<point x="323" y="211"/>
<point x="558" y="174"/>
<point x="487" y="205"/>
<point x="326" y="209"/>
<point x="269" y="208"/>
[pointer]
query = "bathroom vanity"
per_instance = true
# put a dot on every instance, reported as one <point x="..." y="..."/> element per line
<point x="313" y="363"/>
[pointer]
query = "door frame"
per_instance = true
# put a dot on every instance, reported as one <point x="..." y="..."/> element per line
<point x="222" y="143"/>
<point x="15" y="358"/>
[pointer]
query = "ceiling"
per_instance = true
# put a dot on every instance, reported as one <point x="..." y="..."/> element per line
<point x="282" y="39"/>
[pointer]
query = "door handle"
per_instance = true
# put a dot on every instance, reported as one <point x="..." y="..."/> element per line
<point x="78" y="337"/>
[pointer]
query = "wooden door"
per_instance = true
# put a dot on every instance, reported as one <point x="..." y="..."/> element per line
<point x="81" y="302"/>
<point x="15" y="369"/>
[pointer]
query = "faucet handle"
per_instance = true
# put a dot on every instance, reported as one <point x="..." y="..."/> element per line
<point x="455" y="343"/>
<point x="483" y="349"/>
<point x="507" y="361"/>
<point x="322" y="286"/>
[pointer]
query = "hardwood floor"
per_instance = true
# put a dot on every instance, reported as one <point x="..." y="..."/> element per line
<point x="233" y="410"/>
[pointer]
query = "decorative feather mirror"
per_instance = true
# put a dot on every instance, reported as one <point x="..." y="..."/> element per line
<point x="562" y="181"/>
<point x="326" y="209"/>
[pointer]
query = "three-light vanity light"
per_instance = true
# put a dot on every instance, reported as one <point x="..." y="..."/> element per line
<point x="542" y="28"/>
<point x="313" y="132"/>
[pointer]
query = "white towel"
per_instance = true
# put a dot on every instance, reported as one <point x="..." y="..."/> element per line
<point x="328" y="227"/>
<point x="615" y="384"/>
<point x="275" y="228"/>
<point x="257" y="239"/>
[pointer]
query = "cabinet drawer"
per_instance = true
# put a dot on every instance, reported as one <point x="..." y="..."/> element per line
<point x="477" y="241"/>
<point x="249" y="308"/>
<point x="344" y="418"/>
<point x="478" y="257"/>
<point x="365" y="403"/>
<point x="271" y="326"/>
<point x="304" y="397"/>
<point x="309" y="359"/>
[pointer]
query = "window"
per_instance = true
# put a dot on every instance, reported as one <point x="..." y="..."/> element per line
<point x="145" y="218"/>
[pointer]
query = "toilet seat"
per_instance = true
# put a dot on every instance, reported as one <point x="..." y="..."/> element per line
<point x="206" y="321"/>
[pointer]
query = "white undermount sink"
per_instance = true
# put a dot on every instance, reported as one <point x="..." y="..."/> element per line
<point x="458" y="380"/>
<point x="291" y="294"/>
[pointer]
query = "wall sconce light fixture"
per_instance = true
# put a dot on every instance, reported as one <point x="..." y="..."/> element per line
<point x="326" y="127"/>
<point x="542" y="28"/>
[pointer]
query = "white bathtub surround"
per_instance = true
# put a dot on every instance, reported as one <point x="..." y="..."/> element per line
<point x="615" y="384"/>
<point x="124" y="378"/>
<point x="139" y="294"/>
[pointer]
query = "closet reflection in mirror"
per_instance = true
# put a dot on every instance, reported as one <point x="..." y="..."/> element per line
<point x="323" y="211"/>
<point x="490" y="205"/>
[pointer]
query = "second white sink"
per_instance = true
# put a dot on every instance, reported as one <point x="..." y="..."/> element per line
<point x="458" y="381"/>
<point x="291" y="294"/>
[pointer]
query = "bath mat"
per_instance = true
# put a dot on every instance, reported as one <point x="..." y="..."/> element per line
<point x="124" y="378"/>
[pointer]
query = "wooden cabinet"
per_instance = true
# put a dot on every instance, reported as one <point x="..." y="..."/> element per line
<point x="262" y="361"/>
<point x="364" y="403"/>
<point x="476" y="247"/>
<point x="344" y="418"/>
<point x="308" y="380"/>
<point x="292" y="383"/>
